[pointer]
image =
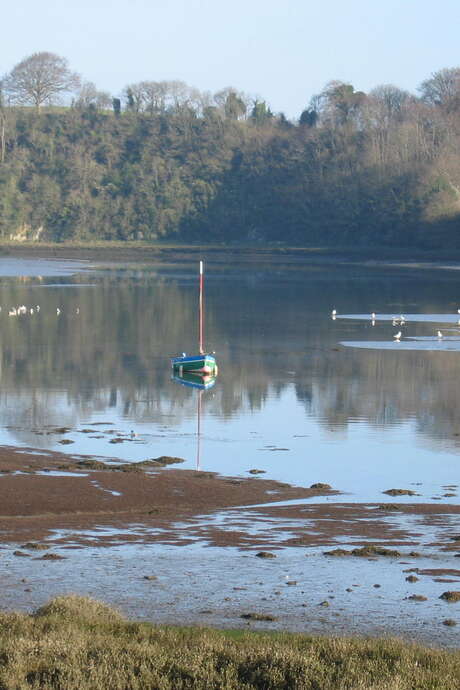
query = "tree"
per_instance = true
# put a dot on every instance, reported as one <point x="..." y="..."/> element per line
<point x="90" y="97"/>
<point x="308" y="117"/>
<point x="261" y="113"/>
<point x="40" y="79"/>
<point x="442" y="88"/>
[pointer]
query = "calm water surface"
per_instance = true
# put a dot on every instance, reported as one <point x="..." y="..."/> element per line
<point x="299" y="395"/>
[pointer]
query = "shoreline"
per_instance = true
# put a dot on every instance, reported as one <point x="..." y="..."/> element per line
<point x="395" y="257"/>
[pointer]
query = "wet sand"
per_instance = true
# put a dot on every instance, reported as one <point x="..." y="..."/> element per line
<point x="190" y="547"/>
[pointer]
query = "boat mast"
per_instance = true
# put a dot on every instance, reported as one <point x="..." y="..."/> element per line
<point x="201" y="310"/>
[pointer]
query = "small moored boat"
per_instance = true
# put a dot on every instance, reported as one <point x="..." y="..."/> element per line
<point x="203" y="363"/>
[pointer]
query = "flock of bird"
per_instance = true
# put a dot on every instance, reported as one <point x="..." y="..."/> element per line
<point x="396" y="321"/>
<point x="18" y="311"/>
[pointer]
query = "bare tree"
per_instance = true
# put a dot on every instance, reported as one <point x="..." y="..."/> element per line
<point x="442" y="88"/>
<point x="40" y="79"/>
<point x="90" y="97"/>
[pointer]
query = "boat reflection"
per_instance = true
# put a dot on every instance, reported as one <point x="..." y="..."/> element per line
<point x="202" y="382"/>
<point x="195" y="380"/>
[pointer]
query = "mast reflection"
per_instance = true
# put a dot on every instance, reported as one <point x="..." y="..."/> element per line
<point x="201" y="382"/>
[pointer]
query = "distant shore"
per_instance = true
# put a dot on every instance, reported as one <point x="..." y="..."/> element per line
<point x="223" y="253"/>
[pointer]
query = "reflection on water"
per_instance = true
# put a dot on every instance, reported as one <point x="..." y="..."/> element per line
<point x="289" y="398"/>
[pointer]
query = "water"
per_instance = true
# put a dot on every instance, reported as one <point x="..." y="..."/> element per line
<point x="300" y="395"/>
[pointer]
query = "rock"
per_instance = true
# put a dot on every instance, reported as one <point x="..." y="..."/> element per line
<point x="389" y="506"/>
<point x="21" y="553"/>
<point x="377" y="586"/>
<point x="450" y="596"/>
<point x="150" y="577"/>
<point x="258" y="617"/>
<point x="450" y="622"/>
<point x="291" y="583"/>
<point x="411" y="578"/>
<point x="325" y="604"/>
<point x="400" y="492"/>
<point x="265" y="554"/>
<point x="417" y="597"/>
<point x="320" y="485"/>
<point x="65" y="441"/>
<point x="257" y="471"/>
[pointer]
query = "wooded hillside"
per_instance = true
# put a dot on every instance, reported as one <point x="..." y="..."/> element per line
<point x="168" y="162"/>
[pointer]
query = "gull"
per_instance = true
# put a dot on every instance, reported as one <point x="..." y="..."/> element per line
<point x="31" y="311"/>
<point x="37" y="307"/>
<point x="394" y="322"/>
<point x="77" y="310"/>
<point x="58" y="311"/>
<point x="439" y="335"/>
<point x="458" y="311"/>
<point x="12" y="312"/>
<point x="373" y="322"/>
<point x="373" y="316"/>
<point x="334" y="314"/>
<point x="397" y="335"/>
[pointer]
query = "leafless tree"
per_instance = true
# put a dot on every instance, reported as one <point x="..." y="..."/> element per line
<point x="40" y="79"/>
<point x="442" y="88"/>
<point x="89" y="96"/>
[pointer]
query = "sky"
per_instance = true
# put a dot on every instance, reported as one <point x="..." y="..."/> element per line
<point x="283" y="51"/>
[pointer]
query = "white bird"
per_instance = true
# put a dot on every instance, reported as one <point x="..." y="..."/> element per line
<point x="397" y="335"/>
<point x="373" y="316"/>
<point x="373" y="322"/>
<point x="31" y="311"/>
<point x="37" y="307"/>
<point x="12" y="312"/>
<point x="334" y="313"/>
<point x="77" y="310"/>
<point x="458" y="311"/>
<point x="58" y="311"/>
<point x="439" y="335"/>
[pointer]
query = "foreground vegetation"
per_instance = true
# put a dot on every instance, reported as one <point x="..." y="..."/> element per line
<point x="168" y="162"/>
<point x="75" y="642"/>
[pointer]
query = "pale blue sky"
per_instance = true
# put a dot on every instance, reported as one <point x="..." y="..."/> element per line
<point x="284" y="51"/>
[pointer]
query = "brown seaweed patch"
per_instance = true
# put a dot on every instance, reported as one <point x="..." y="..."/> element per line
<point x="365" y="552"/>
<point x="166" y="460"/>
<point x="451" y="597"/>
<point x="35" y="546"/>
<point x="417" y="597"/>
<point x="400" y="492"/>
<point x="258" y="617"/>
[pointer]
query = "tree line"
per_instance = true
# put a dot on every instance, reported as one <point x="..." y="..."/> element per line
<point x="163" y="160"/>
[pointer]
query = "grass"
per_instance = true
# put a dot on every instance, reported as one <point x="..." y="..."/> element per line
<point x="75" y="642"/>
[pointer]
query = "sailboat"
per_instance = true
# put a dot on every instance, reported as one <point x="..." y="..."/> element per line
<point x="204" y="362"/>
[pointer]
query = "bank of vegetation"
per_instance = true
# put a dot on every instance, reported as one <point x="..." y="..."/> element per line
<point x="78" y="643"/>
<point x="165" y="162"/>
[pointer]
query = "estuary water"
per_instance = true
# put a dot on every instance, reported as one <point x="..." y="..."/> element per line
<point x="300" y="395"/>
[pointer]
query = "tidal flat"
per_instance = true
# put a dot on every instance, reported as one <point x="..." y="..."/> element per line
<point x="339" y="463"/>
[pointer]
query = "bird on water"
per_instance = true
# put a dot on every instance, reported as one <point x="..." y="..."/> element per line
<point x="397" y="336"/>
